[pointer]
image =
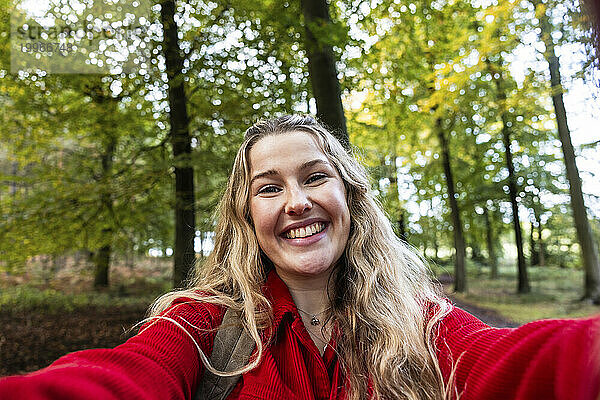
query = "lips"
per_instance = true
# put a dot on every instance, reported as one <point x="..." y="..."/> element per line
<point x="304" y="229"/>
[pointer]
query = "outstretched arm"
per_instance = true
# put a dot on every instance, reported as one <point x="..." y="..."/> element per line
<point x="549" y="359"/>
<point x="161" y="362"/>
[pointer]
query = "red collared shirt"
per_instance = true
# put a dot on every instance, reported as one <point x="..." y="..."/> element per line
<point x="292" y="368"/>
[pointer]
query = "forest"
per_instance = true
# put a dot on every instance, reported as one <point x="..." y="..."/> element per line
<point x="114" y="157"/>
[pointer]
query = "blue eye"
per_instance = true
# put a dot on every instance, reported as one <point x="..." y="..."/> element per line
<point x="316" y="177"/>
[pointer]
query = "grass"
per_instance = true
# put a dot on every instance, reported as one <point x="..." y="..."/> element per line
<point x="31" y="298"/>
<point x="70" y="288"/>
<point x="555" y="292"/>
<point x="52" y="301"/>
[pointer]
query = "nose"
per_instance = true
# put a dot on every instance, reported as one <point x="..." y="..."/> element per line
<point x="297" y="202"/>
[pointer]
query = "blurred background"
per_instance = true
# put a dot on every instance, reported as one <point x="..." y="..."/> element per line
<point x="479" y="122"/>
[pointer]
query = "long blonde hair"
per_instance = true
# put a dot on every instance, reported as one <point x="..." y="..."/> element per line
<point x="383" y="300"/>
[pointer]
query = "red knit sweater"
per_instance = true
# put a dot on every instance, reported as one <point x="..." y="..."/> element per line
<point x="552" y="359"/>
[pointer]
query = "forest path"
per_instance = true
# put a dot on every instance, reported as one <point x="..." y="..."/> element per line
<point x="489" y="316"/>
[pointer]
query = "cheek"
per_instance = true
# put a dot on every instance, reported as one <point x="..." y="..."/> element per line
<point x="264" y="221"/>
<point x="341" y="203"/>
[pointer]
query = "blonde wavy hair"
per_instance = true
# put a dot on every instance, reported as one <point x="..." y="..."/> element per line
<point x="383" y="300"/>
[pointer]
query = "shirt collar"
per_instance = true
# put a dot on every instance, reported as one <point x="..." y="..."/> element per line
<point x="283" y="304"/>
<point x="281" y="300"/>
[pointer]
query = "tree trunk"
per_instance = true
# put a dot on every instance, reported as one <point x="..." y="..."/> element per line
<point x="476" y="252"/>
<point x="589" y="249"/>
<point x="489" y="234"/>
<point x="537" y="215"/>
<point x="533" y="248"/>
<point x="102" y="264"/>
<point x="322" y="70"/>
<point x="460" y="276"/>
<point x="523" y="278"/>
<point x="185" y="231"/>
<point x="523" y="281"/>
<point x="541" y="250"/>
<point x="402" y="226"/>
<point x="102" y="256"/>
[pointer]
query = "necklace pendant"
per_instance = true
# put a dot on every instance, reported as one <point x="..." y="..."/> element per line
<point x="314" y="321"/>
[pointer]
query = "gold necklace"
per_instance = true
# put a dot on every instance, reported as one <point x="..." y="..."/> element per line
<point x="314" y="319"/>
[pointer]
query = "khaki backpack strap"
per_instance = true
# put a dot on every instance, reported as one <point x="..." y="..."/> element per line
<point x="232" y="349"/>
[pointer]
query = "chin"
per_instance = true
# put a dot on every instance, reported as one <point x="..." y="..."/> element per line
<point x="313" y="270"/>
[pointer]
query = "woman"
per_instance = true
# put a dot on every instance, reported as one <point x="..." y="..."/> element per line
<point x="336" y="305"/>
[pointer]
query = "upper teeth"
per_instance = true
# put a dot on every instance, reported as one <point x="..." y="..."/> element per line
<point x="305" y="231"/>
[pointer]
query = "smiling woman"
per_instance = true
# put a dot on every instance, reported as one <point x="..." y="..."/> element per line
<point x="332" y="305"/>
<point x="301" y="219"/>
<point x="356" y="276"/>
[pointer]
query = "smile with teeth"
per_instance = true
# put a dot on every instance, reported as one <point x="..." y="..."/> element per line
<point x="305" y="231"/>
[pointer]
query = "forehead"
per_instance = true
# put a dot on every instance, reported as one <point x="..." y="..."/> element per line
<point x="286" y="149"/>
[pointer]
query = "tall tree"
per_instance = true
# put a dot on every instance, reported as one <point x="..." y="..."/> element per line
<point x="102" y="256"/>
<point x="460" y="278"/>
<point x="589" y="249"/>
<point x="185" y="224"/>
<point x="322" y="69"/>
<point x="523" y="278"/>
<point x="496" y="71"/>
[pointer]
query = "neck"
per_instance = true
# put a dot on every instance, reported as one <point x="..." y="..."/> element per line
<point x="309" y="292"/>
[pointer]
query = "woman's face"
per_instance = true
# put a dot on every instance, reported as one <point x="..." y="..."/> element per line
<point x="298" y="205"/>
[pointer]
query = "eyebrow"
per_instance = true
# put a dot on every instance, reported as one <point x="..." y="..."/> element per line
<point x="304" y="166"/>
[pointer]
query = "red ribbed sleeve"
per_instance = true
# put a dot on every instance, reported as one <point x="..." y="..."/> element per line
<point x="548" y="359"/>
<point x="161" y="362"/>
